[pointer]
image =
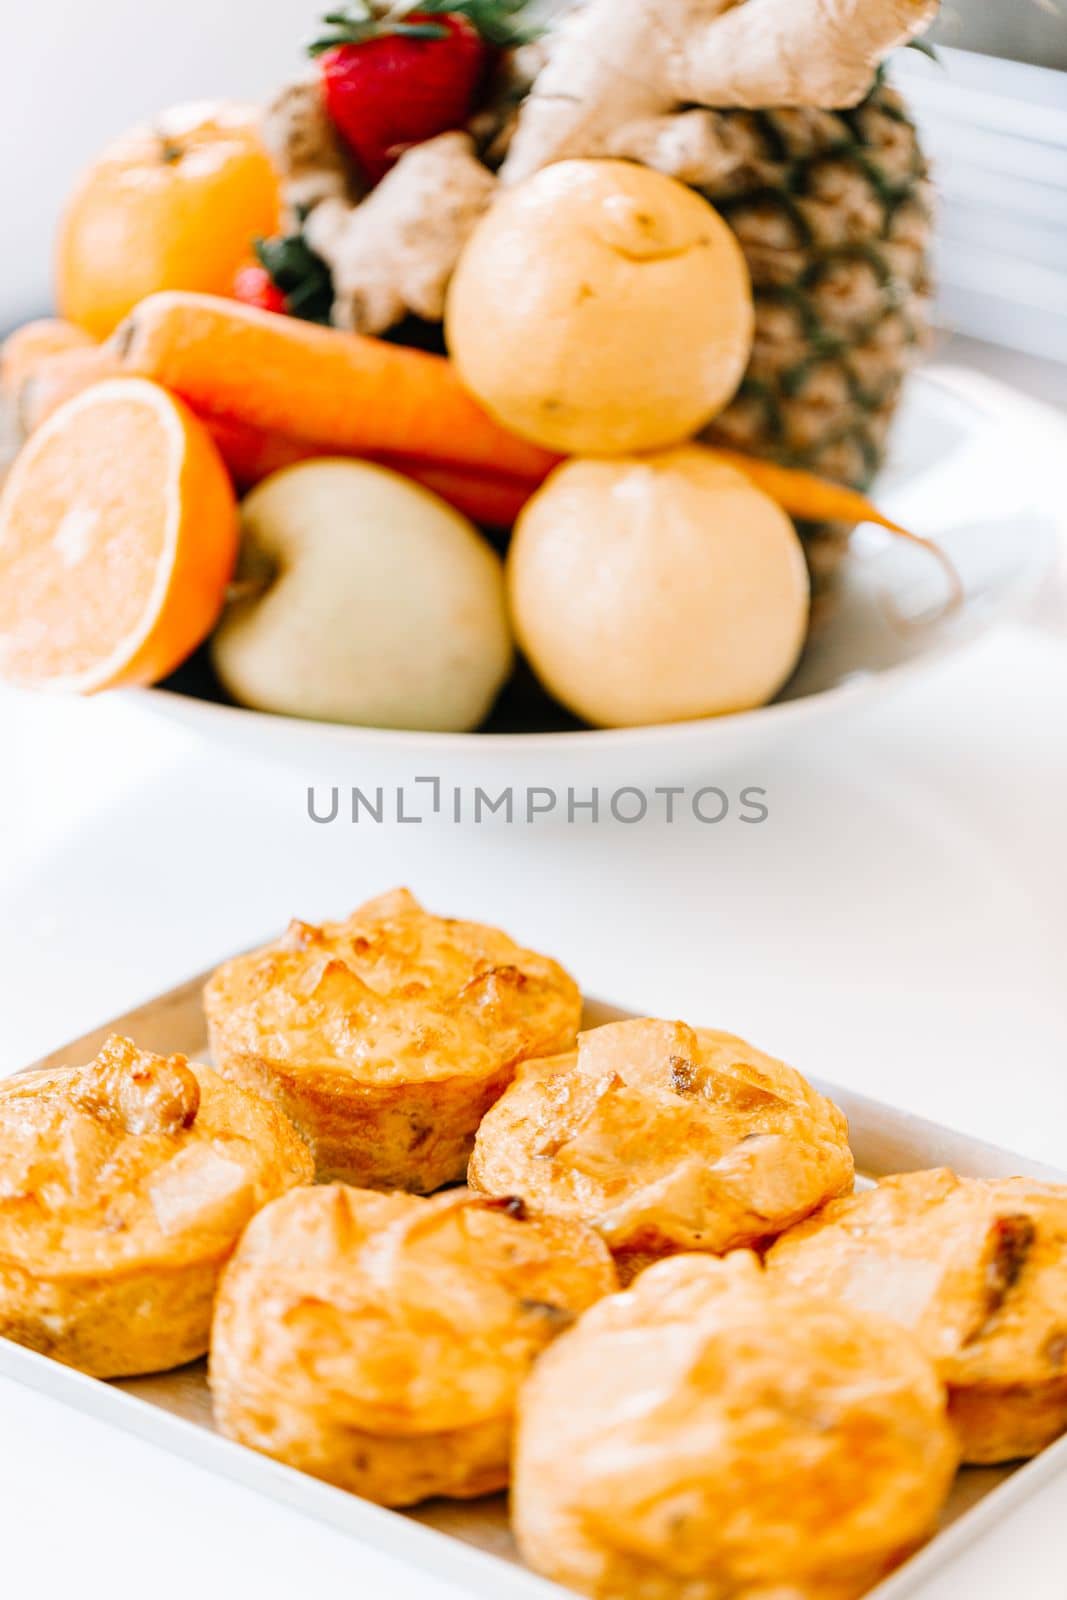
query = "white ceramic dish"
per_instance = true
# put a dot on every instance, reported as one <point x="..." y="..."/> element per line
<point x="468" y="1544"/>
<point x="973" y="466"/>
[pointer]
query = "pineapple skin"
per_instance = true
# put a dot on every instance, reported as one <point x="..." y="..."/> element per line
<point x="833" y="211"/>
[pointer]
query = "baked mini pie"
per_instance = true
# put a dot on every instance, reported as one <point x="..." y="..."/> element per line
<point x="977" y="1268"/>
<point x="716" y="1434"/>
<point x="124" y="1186"/>
<point x="378" y="1341"/>
<point x="665" y="1138"/>
<point x="386" y="1037"/>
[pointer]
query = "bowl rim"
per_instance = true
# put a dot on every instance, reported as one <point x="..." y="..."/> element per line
<point x="989" y="398"/>
<point x="852" y="690"/>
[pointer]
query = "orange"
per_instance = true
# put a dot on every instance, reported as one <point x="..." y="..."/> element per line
<point x="172" y="205"/>
<point x="118" y="537"/>
<point x="25" y="349"/>
<point x="60" y="377"/>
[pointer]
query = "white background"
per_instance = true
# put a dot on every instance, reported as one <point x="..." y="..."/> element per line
<point x="74" y="73"/>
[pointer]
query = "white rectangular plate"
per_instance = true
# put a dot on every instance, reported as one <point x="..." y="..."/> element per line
<point x="469" y="1543"/>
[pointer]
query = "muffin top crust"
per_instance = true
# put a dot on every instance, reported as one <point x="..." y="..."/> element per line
<point x="665" y="1137"/>
<point x="393" y="994"/>
<point x="134" y="1160"/>
<point x="401" y="1315"/>
<point x="976" y="1267"/>
<point x="715" y="1432"/>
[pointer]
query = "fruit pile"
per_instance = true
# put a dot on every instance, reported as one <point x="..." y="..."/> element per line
<point x="215" y="287"/>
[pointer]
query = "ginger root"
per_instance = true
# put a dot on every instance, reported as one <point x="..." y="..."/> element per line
<point x="623" y="78"/>
<point x="693" y="146"/>
<point x="615" y="63"/>
<point x="306" y="149"/>
<point x="396" y="252"/>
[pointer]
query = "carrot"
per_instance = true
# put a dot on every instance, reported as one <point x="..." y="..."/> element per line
<point x="60" y="377"/>
<point x="250" y="453"/>
<point x="489" y="498"/>
<point x="25" y="349"/>
<point x="339" y="392"/>
<point x="814" y="499"/>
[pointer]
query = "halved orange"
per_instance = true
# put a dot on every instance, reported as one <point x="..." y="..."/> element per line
<point x="118" y="537"/>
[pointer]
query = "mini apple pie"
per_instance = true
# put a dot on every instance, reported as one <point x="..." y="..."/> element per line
<point x="665" y="1138"/>
<point x="715" y="1434"/>
<point x="378" y="1341"/>
<point x="977" y="1268"/>
<point x="386" y="1038"/>
<point x="124" y="1186"/>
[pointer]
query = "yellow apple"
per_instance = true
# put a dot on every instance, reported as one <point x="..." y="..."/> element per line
<point x="657" y="588"/>
<point x="376" y="603"/>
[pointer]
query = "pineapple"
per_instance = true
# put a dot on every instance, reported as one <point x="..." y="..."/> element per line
<point x="832" y="211"/>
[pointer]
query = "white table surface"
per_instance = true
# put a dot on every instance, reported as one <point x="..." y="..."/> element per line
<point x="898" y="924"/>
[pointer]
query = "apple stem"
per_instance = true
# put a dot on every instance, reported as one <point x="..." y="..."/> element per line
<point x="248" y="588"/>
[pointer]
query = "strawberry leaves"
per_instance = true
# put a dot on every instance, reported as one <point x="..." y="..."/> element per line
<point x="300" y="276"/>
<point x="498" y="22"/>
<point x="357" y="23"/>
<point x="394" y="76"/>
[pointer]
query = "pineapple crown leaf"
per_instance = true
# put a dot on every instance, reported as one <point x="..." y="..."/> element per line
<point x="498" y="21"/>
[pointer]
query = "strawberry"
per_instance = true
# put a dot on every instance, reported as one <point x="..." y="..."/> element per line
<point x="287" y="277"/>
<point x="254" y="285"/>
<point x="396" y="77"/>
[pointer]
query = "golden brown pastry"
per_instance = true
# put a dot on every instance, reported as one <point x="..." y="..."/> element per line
<point x="124" y="1186"/>
<point x="386" y="1038"/>
<point x="715" y="1434"/>
<point x="977" y="1268"/>
<point x="665" y="1138"/>
<point x="378" y="1341"/>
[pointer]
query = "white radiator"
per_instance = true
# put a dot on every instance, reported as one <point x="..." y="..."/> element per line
<point x="996" y="132"/>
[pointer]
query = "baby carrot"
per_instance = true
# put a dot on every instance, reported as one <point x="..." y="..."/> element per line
<point x="342" y="393"/>
<point x="813" y="499"/>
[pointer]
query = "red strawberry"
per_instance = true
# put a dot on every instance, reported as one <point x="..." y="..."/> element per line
<point x="254" y="285"/>
<point x="288" y="277"/>
<point x="403" y="82"/>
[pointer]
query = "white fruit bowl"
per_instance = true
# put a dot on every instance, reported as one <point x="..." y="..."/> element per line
<point x="973" y="465"/>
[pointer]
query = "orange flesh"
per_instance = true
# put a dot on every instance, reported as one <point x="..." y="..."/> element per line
<point x="117" y="539"/>
<point x="78" y="570"/>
